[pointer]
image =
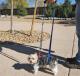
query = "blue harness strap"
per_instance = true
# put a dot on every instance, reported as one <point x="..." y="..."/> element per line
<point x="49" y="57"/>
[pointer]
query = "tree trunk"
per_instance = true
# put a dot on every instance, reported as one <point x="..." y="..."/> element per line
<point x="11" y="16"/>
<point x="33" y="17"/>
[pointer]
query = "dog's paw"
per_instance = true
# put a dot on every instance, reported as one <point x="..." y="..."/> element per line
<point x="35" y="73"/>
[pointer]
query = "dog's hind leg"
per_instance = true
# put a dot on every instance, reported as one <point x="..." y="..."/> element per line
<point x="36" y="67"/>
<point x="55" y="70"/>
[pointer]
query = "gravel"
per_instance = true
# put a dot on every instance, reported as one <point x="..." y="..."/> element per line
<point x="23" y="36"/>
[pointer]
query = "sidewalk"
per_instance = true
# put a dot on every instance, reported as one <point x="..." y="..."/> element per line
<point x="62" y="45"/>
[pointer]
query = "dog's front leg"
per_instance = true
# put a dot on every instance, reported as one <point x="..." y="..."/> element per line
<point x="36" y="67"/>
<point x="55" y="70"/>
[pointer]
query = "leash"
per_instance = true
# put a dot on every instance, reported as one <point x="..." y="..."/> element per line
<point x="50" y="44"/>
<point x="49" y="54"/>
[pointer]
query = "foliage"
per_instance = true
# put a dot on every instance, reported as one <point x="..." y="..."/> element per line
<point x="64" y="10"/>
<point x="67" y="8"/>
<point x="21" y="5"/>
<point x="49" y="9"/>
<point x="21" y="11"/>
<point x="59" y="11"/>
<point x="16" y="3"/>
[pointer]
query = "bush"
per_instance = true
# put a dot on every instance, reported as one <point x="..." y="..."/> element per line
<point x="48" y="12"/>
<point x="49" y="9"/>
<point x="22" y="11"/>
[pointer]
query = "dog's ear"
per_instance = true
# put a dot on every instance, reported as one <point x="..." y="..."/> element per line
<point x="36" y="55"/>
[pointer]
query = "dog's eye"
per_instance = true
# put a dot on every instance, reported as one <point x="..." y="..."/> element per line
<point x="28" y="58"/>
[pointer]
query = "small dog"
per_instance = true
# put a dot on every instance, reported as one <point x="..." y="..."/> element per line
<point x="41" y="61"/>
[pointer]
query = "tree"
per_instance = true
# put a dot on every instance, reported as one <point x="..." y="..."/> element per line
<point x="13" y="4"/>
<point x="67" y="8"/>
<point x="59" y="11"/>
<point x="33" y="17"/>
<point x="3" y="6"/>
<point x="21" y="11"/>
<point x="49" y="9"/>
<point x="16" y="3"/>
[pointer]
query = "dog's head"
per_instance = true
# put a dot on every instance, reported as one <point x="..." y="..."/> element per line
<point x="33" y="58"/>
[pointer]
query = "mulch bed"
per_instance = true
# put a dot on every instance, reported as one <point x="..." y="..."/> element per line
<point x="23" y="36"/>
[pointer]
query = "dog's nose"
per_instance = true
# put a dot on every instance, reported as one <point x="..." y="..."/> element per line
<point x="30" y="61"/>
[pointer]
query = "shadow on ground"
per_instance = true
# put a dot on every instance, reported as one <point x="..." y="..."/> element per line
<point x="27" y="49"/>
<point x="26" y="67"/>
<point x="29" y="68"/>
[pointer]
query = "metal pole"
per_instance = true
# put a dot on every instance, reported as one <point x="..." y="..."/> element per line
<point x="42" y="27"/>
